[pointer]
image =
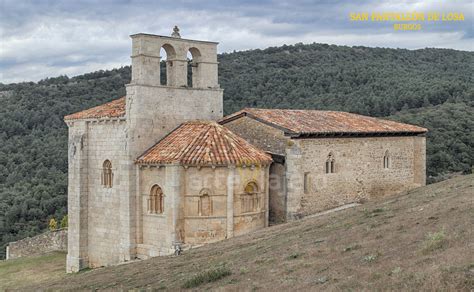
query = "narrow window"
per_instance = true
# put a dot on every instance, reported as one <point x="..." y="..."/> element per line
<point x="250" y="201"/>
<point x="386" y="160"/>
<point x="194" y="57"/>
<point x="156" y="200"/>
<point x="330" y="164"/>
<point x="205" y="204"/>
<point x="306" y="182"/>
<point x="107" y="175"/>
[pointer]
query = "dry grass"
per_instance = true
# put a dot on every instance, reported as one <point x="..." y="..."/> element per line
<point x="434" y="241"/>
<point x="207" y="277"/>
<point x="32" y="270"/>
<point x="420" y="240"/>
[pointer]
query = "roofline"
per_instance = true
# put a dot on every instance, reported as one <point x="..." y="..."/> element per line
<point x="67" y="117"/>
<point x="99" y="119"/>
<point x="171" y="38"/>
<point x="355" y="135"/>
<point x="293" y="134"/>
<point x="177" y="163"/>
<point x="247" y="114"/>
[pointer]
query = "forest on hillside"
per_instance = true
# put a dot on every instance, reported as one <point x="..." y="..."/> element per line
<point x="430" y="87"/>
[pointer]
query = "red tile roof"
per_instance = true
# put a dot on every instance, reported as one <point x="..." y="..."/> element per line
<point x="308" y="122"/>
<point x="204" y="143"/>
<point x="113" y="109"/>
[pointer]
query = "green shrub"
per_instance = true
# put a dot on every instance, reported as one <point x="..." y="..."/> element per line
<point x="207" y="277"/>
<point x="64" y="222"/>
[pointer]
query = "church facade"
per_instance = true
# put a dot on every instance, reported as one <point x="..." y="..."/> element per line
<point x="160" y="169"/>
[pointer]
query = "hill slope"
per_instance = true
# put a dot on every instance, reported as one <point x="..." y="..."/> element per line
<point x="416" y="240"/>
<point x="432" y="88"/>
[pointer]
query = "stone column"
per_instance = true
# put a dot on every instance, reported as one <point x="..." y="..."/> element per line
<point x="230" y="201"/>
<point x="266" y="181"/>
<point x="127" y="209"/>
<point x="294" y="181"/>
<point x="77" y="256"/>
<point x="139" y="209"/>
<point x="177" y="72"/>
<point x="175" y="207"/>
<point x="205" y="75"/>
<point x="419" y="160"/>
<point x="145" y="60"/>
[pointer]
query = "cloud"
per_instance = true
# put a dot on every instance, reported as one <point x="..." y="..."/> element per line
<point x="42" y="39"/>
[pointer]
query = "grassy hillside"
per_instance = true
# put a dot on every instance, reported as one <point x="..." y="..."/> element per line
<point x="32" y="270"/>
<point x="420" y="240"/>
<point x="431" y="87"/>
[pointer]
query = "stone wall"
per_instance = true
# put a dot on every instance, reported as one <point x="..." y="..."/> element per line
<point x="277" y="193"/>
<point x="39" y="244"/>
<point x="204" y="229"/>
<point x="182" y="220"/>
<point x="94" y="210"/>
<point x="359" y="171"/>
<point x="106" y="142"/>
<point x="263" y="136"/>
<point x="154" y="230"/>
<point x="77" y="196"/>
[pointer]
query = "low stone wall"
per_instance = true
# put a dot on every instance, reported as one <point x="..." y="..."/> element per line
<point x="39" y="244"/>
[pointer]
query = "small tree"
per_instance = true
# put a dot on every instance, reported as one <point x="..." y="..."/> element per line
<point x="64" y="222"/>
<point x="53" y="225"/>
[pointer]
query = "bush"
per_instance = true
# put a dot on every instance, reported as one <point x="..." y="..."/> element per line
<point x="434" y="241"/>
<point x="207" y="277"/>
<point x="64" y="222"/>
<point x="53" y="225"/>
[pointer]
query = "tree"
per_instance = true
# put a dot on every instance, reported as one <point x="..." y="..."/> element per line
<point x="64" y="221"/>
<point x="53" y="225"/>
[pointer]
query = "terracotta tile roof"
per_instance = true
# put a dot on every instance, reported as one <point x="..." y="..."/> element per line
<point x="204" y="143"/>
<point x="307" y="122"/>
<point x="113" y="109"/>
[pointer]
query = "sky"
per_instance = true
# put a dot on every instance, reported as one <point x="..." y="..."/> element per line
<point x="43" y="38"/>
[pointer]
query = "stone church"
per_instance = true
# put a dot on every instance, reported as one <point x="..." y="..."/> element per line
<point x="161" y="169"/>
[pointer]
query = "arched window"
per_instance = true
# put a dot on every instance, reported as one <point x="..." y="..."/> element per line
<point x="386" y="160"/>
<point x="194" y="57"/>
<point x="167" y="54"/>
<point x="330" y="164"/>
<point x="156" y="200"/>
<point x="205" y="203"/>
<point x="250" y="201"/>
<point x="107" y="175"/>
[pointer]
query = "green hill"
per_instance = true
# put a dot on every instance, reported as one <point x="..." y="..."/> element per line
<point x="430" y="87"/>
<point x="415" y="241"/>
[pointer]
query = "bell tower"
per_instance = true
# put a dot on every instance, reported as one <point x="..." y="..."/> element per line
<point x="154" y="108"/>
